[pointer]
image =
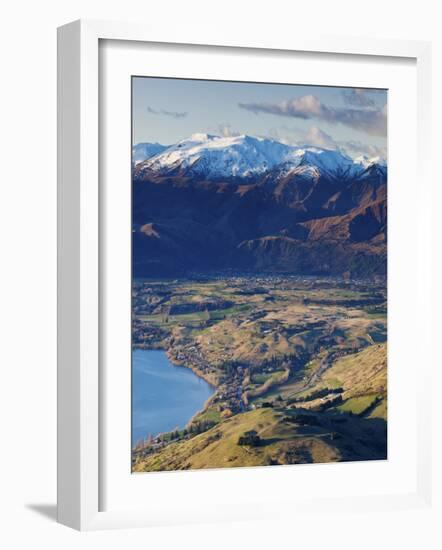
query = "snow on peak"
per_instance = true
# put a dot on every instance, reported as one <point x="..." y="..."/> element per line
<point x="143" y="151"/>
<point x="366" y="161"/>
<point x="200" y="137"/>
<point x="244" y="156"/>
<point x="216" y="156"/>
<point x="326" y="161"/>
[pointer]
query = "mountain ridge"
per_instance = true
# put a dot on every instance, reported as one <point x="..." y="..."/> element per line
<point x="245" y="156"/>
<point x="311" y="216"/>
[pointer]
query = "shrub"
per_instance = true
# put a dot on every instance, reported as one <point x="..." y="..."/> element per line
<point x="250" y="438"/>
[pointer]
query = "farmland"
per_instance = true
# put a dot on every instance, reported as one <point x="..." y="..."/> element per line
<point x="298" y="362"/>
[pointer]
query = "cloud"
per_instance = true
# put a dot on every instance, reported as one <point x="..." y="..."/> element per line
<point x="173" y="114"/>
<point x="298" y="137"/>
<point x="371" y="120"/>
<point x="357" y="97"/>
<point x="357" y="148"/>
<point x="225" y="130"/>
<point x="305" y="107"/>
<point x="317" y="137"/>
<point x="282" y="134"/>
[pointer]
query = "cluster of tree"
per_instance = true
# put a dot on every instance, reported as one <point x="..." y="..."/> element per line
<point x="206" y="316"/>
<point x="329" y="403"/>
<point x="275" y="361"/>
<point x="250" y="438"/>
<point x="199" y="426"/>
<point x="195" y="428"/>
<point x="165" y="312"/>
<point x="315" y="395"/>
<point x="230" y="368"/>
<point x="302" y="419"/>
<point x="170" y="436"/>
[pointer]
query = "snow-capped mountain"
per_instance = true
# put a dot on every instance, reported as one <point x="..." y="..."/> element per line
<point x="366" y="161"/>
<point x="143" y="151"/>
<point x="253" y="204"/>
<point x="216" y="157"/>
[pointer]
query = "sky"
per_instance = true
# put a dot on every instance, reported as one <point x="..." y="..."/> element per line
<point x="167" y="110"/>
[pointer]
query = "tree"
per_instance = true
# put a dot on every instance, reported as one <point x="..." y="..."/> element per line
<point x="206" y="316"/>
<point x="166" y="313"/>
<point x="250" y="439"/>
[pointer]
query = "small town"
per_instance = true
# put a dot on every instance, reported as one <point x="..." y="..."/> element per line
<point x="262" y="342"/>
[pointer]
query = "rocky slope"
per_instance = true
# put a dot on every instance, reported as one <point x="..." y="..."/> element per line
<point x="210" y="203"/>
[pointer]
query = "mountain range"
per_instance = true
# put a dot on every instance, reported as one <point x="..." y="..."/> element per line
<point x="253" y="204"/>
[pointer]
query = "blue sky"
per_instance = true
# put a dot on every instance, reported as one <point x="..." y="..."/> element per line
<point x="168" y="110"/>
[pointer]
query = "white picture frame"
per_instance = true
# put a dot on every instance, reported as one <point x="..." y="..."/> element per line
<point x="79" y="264"/>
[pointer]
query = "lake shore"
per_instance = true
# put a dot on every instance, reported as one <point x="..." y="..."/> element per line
<point x="207" y="378"/>
<point x="156" y="405"/>
<point x="200" y="374"/>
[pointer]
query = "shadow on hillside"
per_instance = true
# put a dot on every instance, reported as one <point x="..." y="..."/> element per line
<point x="359" y="438"/>
<point x="269" y="441"/>
<point x="354" y="437"/>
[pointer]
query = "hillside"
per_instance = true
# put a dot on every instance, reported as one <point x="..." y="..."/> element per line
<point x="335" y="410"/>
<point x="251" y="204"/>
<point x="362" y="377"/>
<point x="285" y="438"/>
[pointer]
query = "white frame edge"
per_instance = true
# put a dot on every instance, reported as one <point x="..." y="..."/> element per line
<point x="78" y="251"/>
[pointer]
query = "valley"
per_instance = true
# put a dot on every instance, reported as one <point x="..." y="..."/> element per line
<point x="298" y="363"/>
<point x="261" y="267"/>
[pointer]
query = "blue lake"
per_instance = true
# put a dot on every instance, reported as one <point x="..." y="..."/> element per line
<point x="164" y="396"/>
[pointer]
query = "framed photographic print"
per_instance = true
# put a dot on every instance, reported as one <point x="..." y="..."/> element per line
<point x="259" y="266"/>
<point x="232" y="290"/>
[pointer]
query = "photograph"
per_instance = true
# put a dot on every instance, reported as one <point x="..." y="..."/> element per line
<point x="259" y="274"/>
<point x="230" y="338"/>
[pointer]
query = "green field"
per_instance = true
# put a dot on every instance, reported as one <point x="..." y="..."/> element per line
<point x="273" y="346"/>
<point x="358" y="405"/>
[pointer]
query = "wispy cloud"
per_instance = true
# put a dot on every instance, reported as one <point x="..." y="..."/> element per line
<point x="357" y="148"/>
<point x="319" y="138"/>
<point x="316" y="136"/>
<point x="371" y="120"/>
<point x="173" y="114"/>
<point x="303" y="107"/>
<point x="282" y="135"/>
<point x="226" y="130"/>
<point x="358" y="97"/>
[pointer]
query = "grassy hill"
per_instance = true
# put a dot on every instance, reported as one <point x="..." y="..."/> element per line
<point x="302" y="363"/>
<point x="286" y="437"/>
<point x="363" y="377"/>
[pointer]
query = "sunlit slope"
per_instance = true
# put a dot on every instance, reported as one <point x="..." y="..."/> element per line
<point x="218" y="447"/>
<point x="286" y="437"/>
<point x="363" y="377"/>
